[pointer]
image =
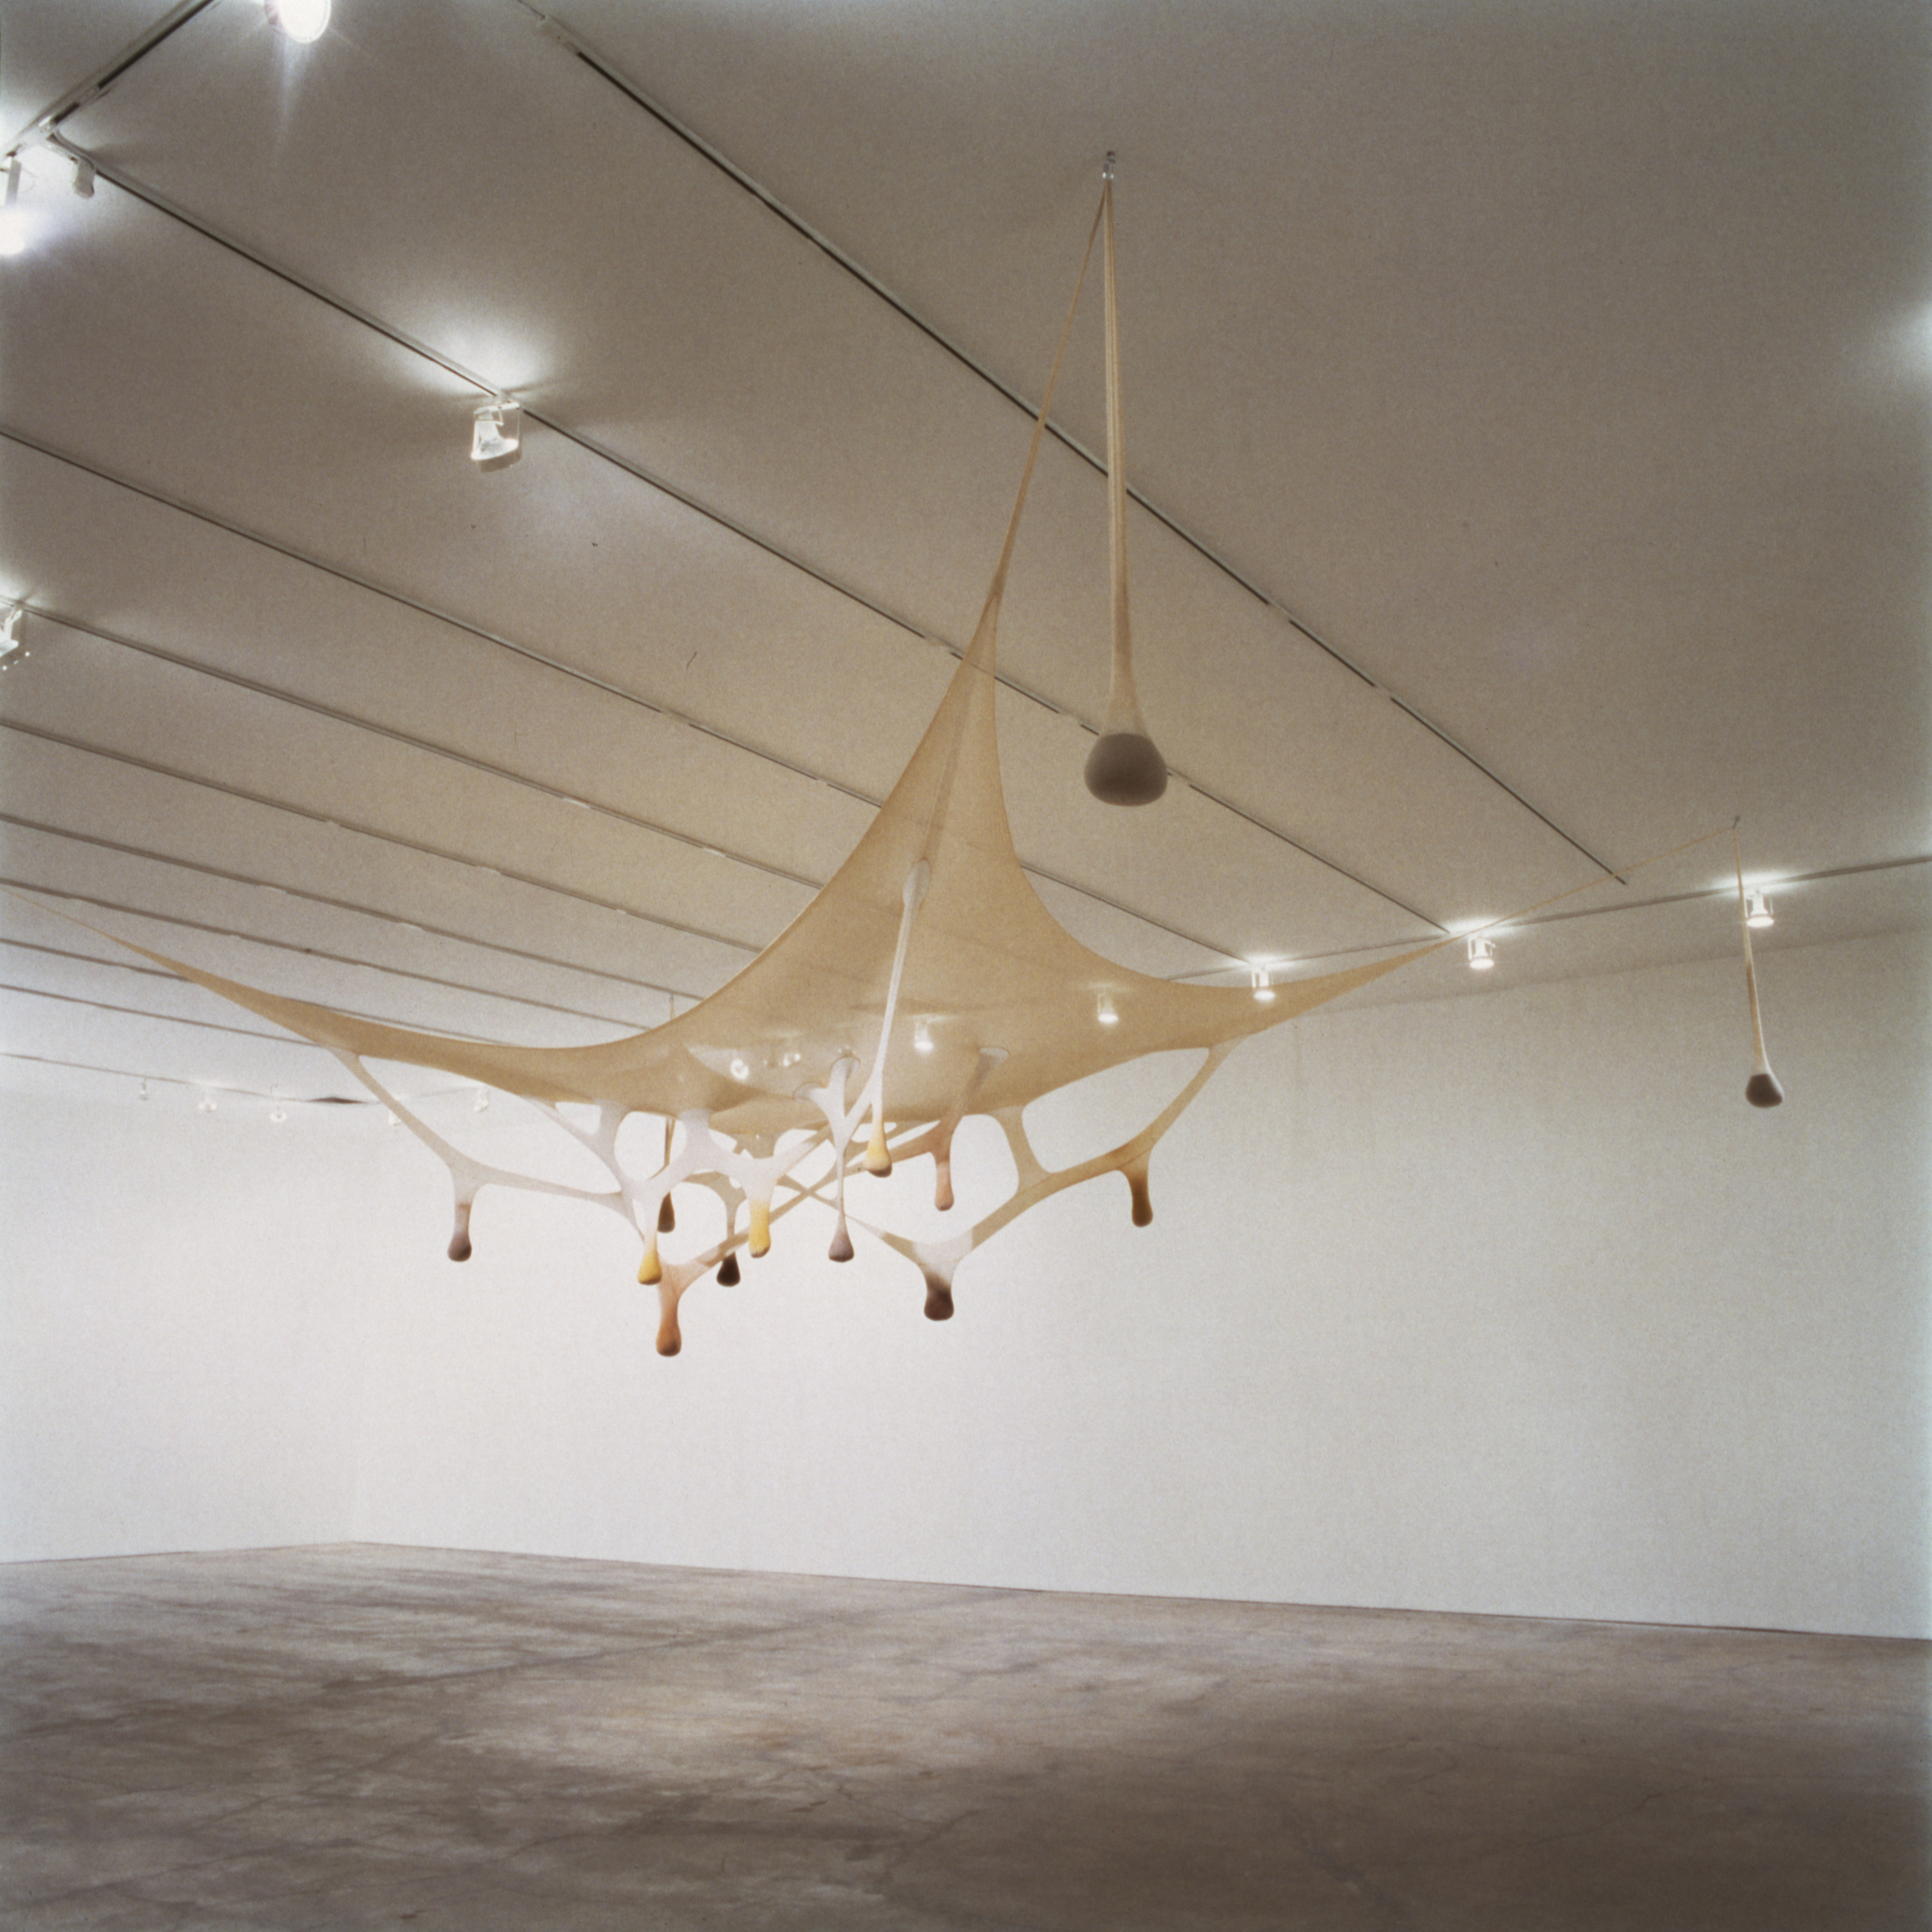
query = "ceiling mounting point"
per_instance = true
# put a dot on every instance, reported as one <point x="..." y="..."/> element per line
<point x="1107" y="166"/>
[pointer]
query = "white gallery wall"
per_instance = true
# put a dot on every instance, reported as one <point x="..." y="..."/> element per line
<point x="1503" y="1303"/>
<point x="180" y="1325"/>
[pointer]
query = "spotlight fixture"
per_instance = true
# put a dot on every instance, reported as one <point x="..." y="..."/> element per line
<point x="301" y="20"/>
<point x="278" y="1115"/>
<point x="921" y="1035"/>
<point x="1258" y="977"/>
<point x="205" y="1104"/>
<point x="1482" y="955"/>
<point x="496" y="440"/>
<point x="1757" y="911"/>
<point x="83" y="177"/>
<point x="11" y="649"/>
<point x="1105" y="1013"/>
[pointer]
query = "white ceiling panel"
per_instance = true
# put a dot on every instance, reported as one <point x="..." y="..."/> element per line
<point x="1567" y="373"/>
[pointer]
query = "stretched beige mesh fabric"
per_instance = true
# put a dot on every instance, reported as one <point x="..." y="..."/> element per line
<point x="925" y="981"/>
<point x="1010" y="1002"/>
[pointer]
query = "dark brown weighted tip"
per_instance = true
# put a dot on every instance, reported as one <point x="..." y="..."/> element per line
<point x="667" y="1216"/>
<point x="938" y="1301"/>
<point x="460" y="1249"/>
<point x="1137" y="1184"/>
<point x="1123" y="768"/>
<point x="841" y="1249"/>
<point x="728" y="1270"/>
<point x="1761" y="1089"/>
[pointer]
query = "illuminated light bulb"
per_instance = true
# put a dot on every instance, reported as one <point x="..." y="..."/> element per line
<point x="921" y="1035"/>
<point x="83" y="177"/>
<point x="205" y="1104"/>
<point x="1257" y="978"/>
<point x="1757" y="911"/>
<point x="277" y="1115"/>
<point x="739" y="1070"/>
<point x="1105" y="1011"/>
<point x="301" y="20"/>
<point x="496" y="436"/>
<point x="11" y="648"/>
<point x="1482" y="955"/>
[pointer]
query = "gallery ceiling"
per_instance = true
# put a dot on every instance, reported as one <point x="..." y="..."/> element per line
<point x="1529" y="408"/>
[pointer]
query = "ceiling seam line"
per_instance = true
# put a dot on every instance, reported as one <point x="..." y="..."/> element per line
<point x="7" y="940"/>
<point x="34" y="891"/>
<point x="393" y="735"/>
<point x="726" y="166"/>
<point x="224" y="1026"/>
<point x="168" y="1019"/>
<point x="1436" y="731"/>
<point x="591" y="447"/>
<point x="340" y="959"/>
<point x="274" y="695"/>
<point x="355" y="831"/>
<point x="178" y="1080"/>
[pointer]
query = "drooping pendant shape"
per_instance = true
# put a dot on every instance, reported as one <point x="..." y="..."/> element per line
<point x="1124" y="767"/>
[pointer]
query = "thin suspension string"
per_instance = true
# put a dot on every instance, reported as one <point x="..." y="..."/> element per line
<point x="1122" y="697"/>
<point x="1045" y="404"/>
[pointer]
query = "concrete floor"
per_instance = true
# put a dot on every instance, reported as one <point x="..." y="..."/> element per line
<point x="360" y="1737"/>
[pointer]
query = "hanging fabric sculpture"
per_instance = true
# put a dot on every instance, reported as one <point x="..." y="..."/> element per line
<point x="925" y="981"/>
